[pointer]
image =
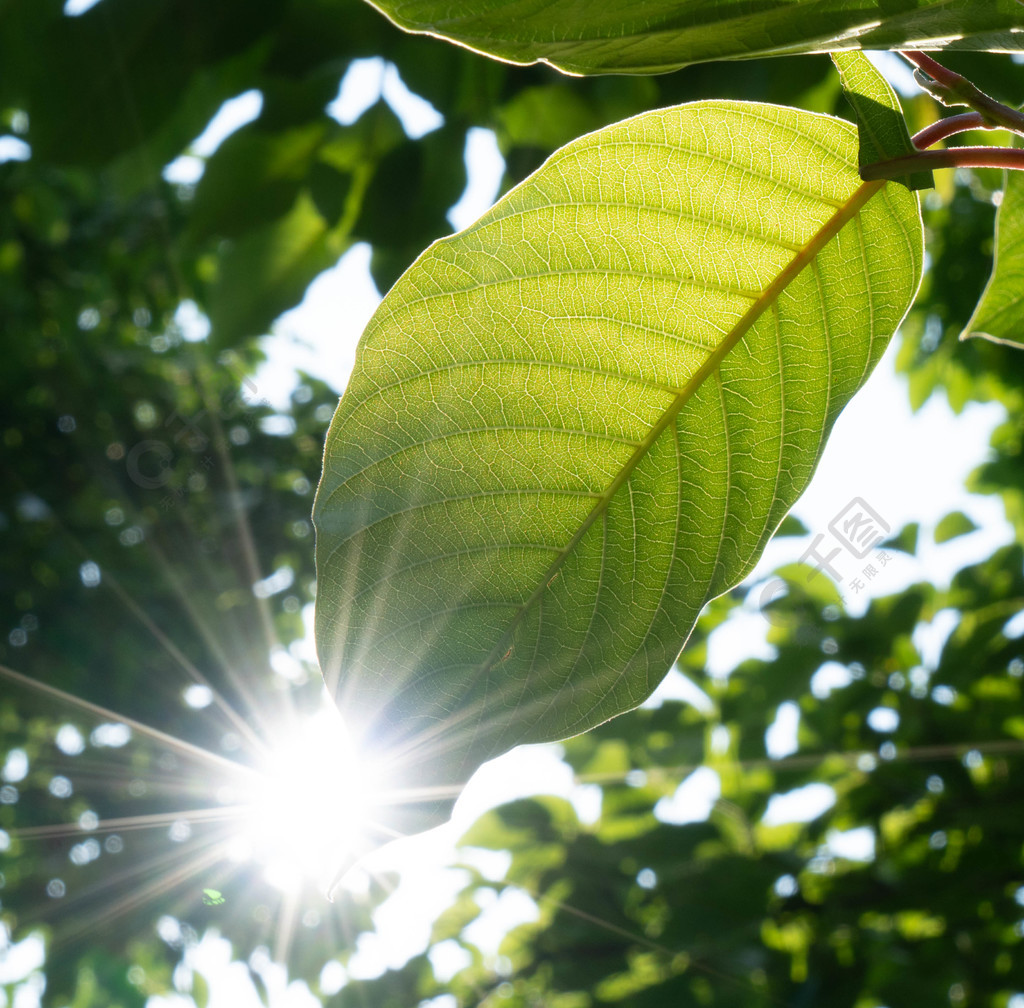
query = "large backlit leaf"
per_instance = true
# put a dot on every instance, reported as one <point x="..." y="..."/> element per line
<point x="1000" y="313"/>
<point x="652" y="36"/>
<point x="574" y="423"/>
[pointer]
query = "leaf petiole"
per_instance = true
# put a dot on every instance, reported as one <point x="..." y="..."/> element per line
<point x="951" y="157"/>
<point x="951" y="88"/>
<point x="948" y="127"/>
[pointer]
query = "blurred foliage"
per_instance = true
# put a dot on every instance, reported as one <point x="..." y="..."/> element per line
<point x="147" y="488"/>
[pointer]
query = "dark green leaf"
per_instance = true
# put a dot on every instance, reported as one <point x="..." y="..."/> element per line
<point x="653" y="36"/>
<point x="880" y="124"/>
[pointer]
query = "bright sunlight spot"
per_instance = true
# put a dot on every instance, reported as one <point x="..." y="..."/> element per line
<point x="308" y="807"/>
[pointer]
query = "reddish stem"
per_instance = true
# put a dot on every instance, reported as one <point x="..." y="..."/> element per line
<point x="948" y="127"/>
<point x="952" y="157"/>
<point x="950" y="88"/>
<point x="934" y="69"/>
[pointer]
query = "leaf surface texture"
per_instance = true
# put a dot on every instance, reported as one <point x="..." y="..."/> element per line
<point x="574" y="423"/>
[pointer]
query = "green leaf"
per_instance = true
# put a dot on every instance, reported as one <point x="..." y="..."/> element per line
<point x="956" y="523"/>
<point x="574" y="423"/>
<point x="905" y="540"/>
<point x="267" y="270"/>
<point x="653" y="36"/>
<point x="792" y="526"/>
<point x="254" y="179"/>
<point x="880" y="123"/>
<point x="999" y="315"/>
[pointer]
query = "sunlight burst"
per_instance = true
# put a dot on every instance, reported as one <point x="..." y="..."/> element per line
<point x="307" y="809"/>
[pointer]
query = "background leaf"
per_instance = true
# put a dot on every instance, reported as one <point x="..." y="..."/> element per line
<point x="956" y="523"/>
<point x="999" y="315"/>
<point x="604" y="36"/>
<point x="880" y="123"/>
<point x="587" y="413"/>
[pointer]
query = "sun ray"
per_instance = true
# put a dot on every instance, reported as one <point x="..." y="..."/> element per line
<point x="180" y="745"/>
<point x="165" y="880"/>
<point x="249" y="554"/>
<point x="236" y="720"/>
<point x="122" y="824"/>
<point x="166" y="644"/>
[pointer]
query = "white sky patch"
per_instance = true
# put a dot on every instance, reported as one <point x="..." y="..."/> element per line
<point x="512" y="908"/>
<point x="13" y="149"/>
<point x="405" y="919"/>
<point x="492" y="864"/>
<point x="675" y="686"/>
<point x="801" y="805"/>
<point x="362" y="85"/>
<point x="485" y="168"/>
<point x="111" y="735"/>
<point x="441" y="1001"/>
<point x="231" y="116"/>
<point x="417" y="115"/>
<point x="230" y="985"/>
<point x="447" y="958"/>
<point x="780" y="738"/>
<point x="366" y="81"/>
<point x="332" y="978"/>
<point x="75" y="7"/>
<point x="856" y="844"/>
<point x="279" y="991"/>
<point x="69" y="740"/>
<point x="930" y="638"/>
<point x="319" y="335"/>
<point x="586" y="800"/>
<point x="275" y="583"/>
<point x="743" y="635"/>
<point x="883" y="720"/>
<point x="693" y="800"/>
<point x="15" y="766"/>
<point x="197" y="696"/>
<point x="19" y="959"/>
<point x="192" y="323"/>
<point x="896" y="71"/>
<point x="526" y="770"/>
<point x="1014" y="627"/>
<point x="184" y="170"/>
<point x="829" y="676"/>
<point x="370" y="959"/>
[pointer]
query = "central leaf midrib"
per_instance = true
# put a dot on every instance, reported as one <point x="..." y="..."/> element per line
<point x="843" y="215"/>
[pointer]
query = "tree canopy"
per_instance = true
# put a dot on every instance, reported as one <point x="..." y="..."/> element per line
<point x="158" y="563"/>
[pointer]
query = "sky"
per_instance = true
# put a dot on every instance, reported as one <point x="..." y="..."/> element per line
<point x="900" y="465"/>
